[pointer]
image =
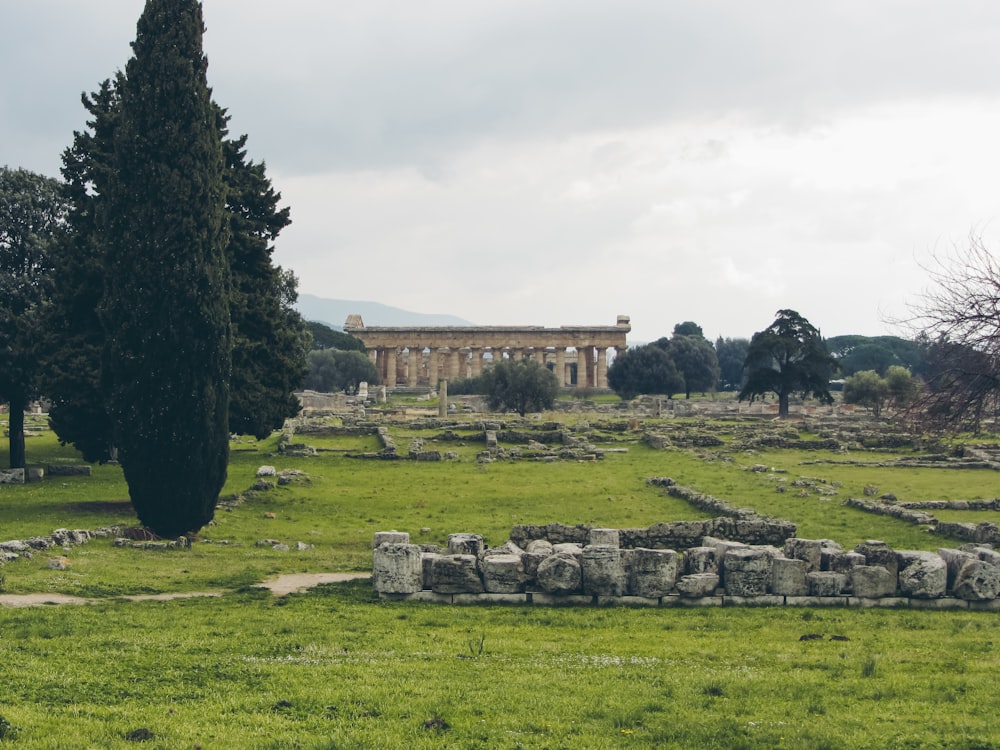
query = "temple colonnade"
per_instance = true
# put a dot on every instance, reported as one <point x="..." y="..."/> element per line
<point x="422" y="356"/>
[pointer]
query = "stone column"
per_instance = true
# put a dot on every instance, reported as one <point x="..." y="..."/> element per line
<point x="602" y="367"/>
<point x="561" y="365"/>
<point x="540" y="355"/>
<point x="477" y="361"/>
<point x="390" y="367"/>
<point x="454" y="372"/>
<point x="434" y="367"/>
<point x="584" y="355"/>
<point x="373" y="356"/>
<point x="413" y="362"/>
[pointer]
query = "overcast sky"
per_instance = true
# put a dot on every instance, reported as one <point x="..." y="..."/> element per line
<point x="564" y="162"/>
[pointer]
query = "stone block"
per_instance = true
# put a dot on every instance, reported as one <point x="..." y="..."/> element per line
<point x="390" y="537"/>
<point x="816" y="601"/>
<point x="559" y="574"/>
<point x="939" y="603"/>
<point x="456" y="574"/>
<point x="489" y="598"/>
<point x="922" y="575"/>
<point x="429" y="596"/>
<point x="539" y="547"/>
<point x="954" y="559"/>
<point x="627" y="601"/>
<point x="892" y="602"/>
<point x="765" y="600"/>
<point x="651" y="573"/>
<point x="847" y="561"/>
<point x="699" y="601"/>
<point x="503" y="574"/>
<point x="879" y="553"/>
<point x="465" y="544"/>
<point x="808" y="550"/>
<point x="872" y="582"/>
<point x="603" y="571"/>
<point x="35" y="474"/>
<point x="747" y="571"/>
<point x="560" y="600"/>
<point x="69" y="470"/>
<point x="788" y="576"/>
<point x="568" y="548"/>
<point x="603" y="538"/>
<point x="698" y="585"/>
<point x="397" y="569"/>
<point x="701" y="560"/>
<point x="11" y="476"/>
<point x="987" y="606"/>
<point x="826" y="583"/>
<point x="427" y="566"/>
<point x="977" y="581"/>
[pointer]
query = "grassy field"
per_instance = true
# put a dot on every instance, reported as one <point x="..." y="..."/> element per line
<point x="335" y="668"/>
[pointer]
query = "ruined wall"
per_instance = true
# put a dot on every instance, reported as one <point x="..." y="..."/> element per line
<point x="602" y="569"/>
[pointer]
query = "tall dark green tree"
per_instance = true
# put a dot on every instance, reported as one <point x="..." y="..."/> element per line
<point x="32" y="216"/>
<point x="788" y="357"/>
<point x="166" y="305"/>
<point x="73" y="339"/>
<point x="270" y="338"/>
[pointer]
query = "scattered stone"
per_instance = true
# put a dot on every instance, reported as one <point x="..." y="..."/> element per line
<point x="266" y="471"/>
<point x="59" y="563"/>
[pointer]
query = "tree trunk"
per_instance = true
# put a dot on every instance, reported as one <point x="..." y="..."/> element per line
<point x="17" y="455"/>
<point x="782" y="405"/>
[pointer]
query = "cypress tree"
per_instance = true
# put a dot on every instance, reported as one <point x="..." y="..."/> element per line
<point x="166" y="303"/>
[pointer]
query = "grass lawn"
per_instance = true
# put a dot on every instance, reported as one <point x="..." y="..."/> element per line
<point x="335" y="668"/>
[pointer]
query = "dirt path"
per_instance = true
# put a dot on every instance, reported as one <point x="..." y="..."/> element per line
<point x="280" y="586"/>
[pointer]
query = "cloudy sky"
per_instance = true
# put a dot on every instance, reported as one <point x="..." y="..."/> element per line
<point x="562" y="162"/>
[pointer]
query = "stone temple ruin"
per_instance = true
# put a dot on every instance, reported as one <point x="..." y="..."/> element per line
<point x="420" y="357"/>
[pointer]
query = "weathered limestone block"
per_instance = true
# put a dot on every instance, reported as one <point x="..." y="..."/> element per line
<point x="825" y="583"/>
<point x="747" y="571"/>
<point x="651" y="573"/>
<point x="698" y="584"/>
<point x="788" y="576"/>
<point x="847" y="561"/>
<point x="701" y="560"/>
<point x="465" y="544"/>
<point x="12" y="476"/>
<point x="977" y="581"/>
<point x="559" y="573"/>
<point x="568" y="548"/>
<point x="35" y="474"/>
<point x="390" y="537"/>
<point x="503" y="574"/>
<point x="879" y="553"/>
<point x="539" y="546"/>
<point x="397" y="569"/>
<point x="954" y="559"/>
<point x="603" y="571"/>
<point x="987" y="555"/>
<point x="507" y="548"/>
<point x="922" y="575"/>
<point x="531" y="561"/>
<point x="456" y="574"/>
<point x="15" y="545"/>
<point x="809" y="550"/>
<point x="829" y="552"/>
<point x="69" y="537"/>
<point x="266" y="471"/>
<point x="872" y="582"/>
<point x="604" y="538"/>
<point x="427" y="567"/>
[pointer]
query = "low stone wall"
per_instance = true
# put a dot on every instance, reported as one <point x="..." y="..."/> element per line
<point x="980" y="533"/>
<point x="718" y="572"/>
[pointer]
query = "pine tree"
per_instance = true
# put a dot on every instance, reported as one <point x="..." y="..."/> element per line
<point x="166" y="305"/>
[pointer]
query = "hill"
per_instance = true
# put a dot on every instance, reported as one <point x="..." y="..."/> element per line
<point x="334" y="312"/>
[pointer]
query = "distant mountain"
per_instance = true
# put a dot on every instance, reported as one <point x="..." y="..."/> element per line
<point x="334" y="312"/>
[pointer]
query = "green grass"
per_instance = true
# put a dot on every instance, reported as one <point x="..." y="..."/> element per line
<point x="336" y="668"/>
